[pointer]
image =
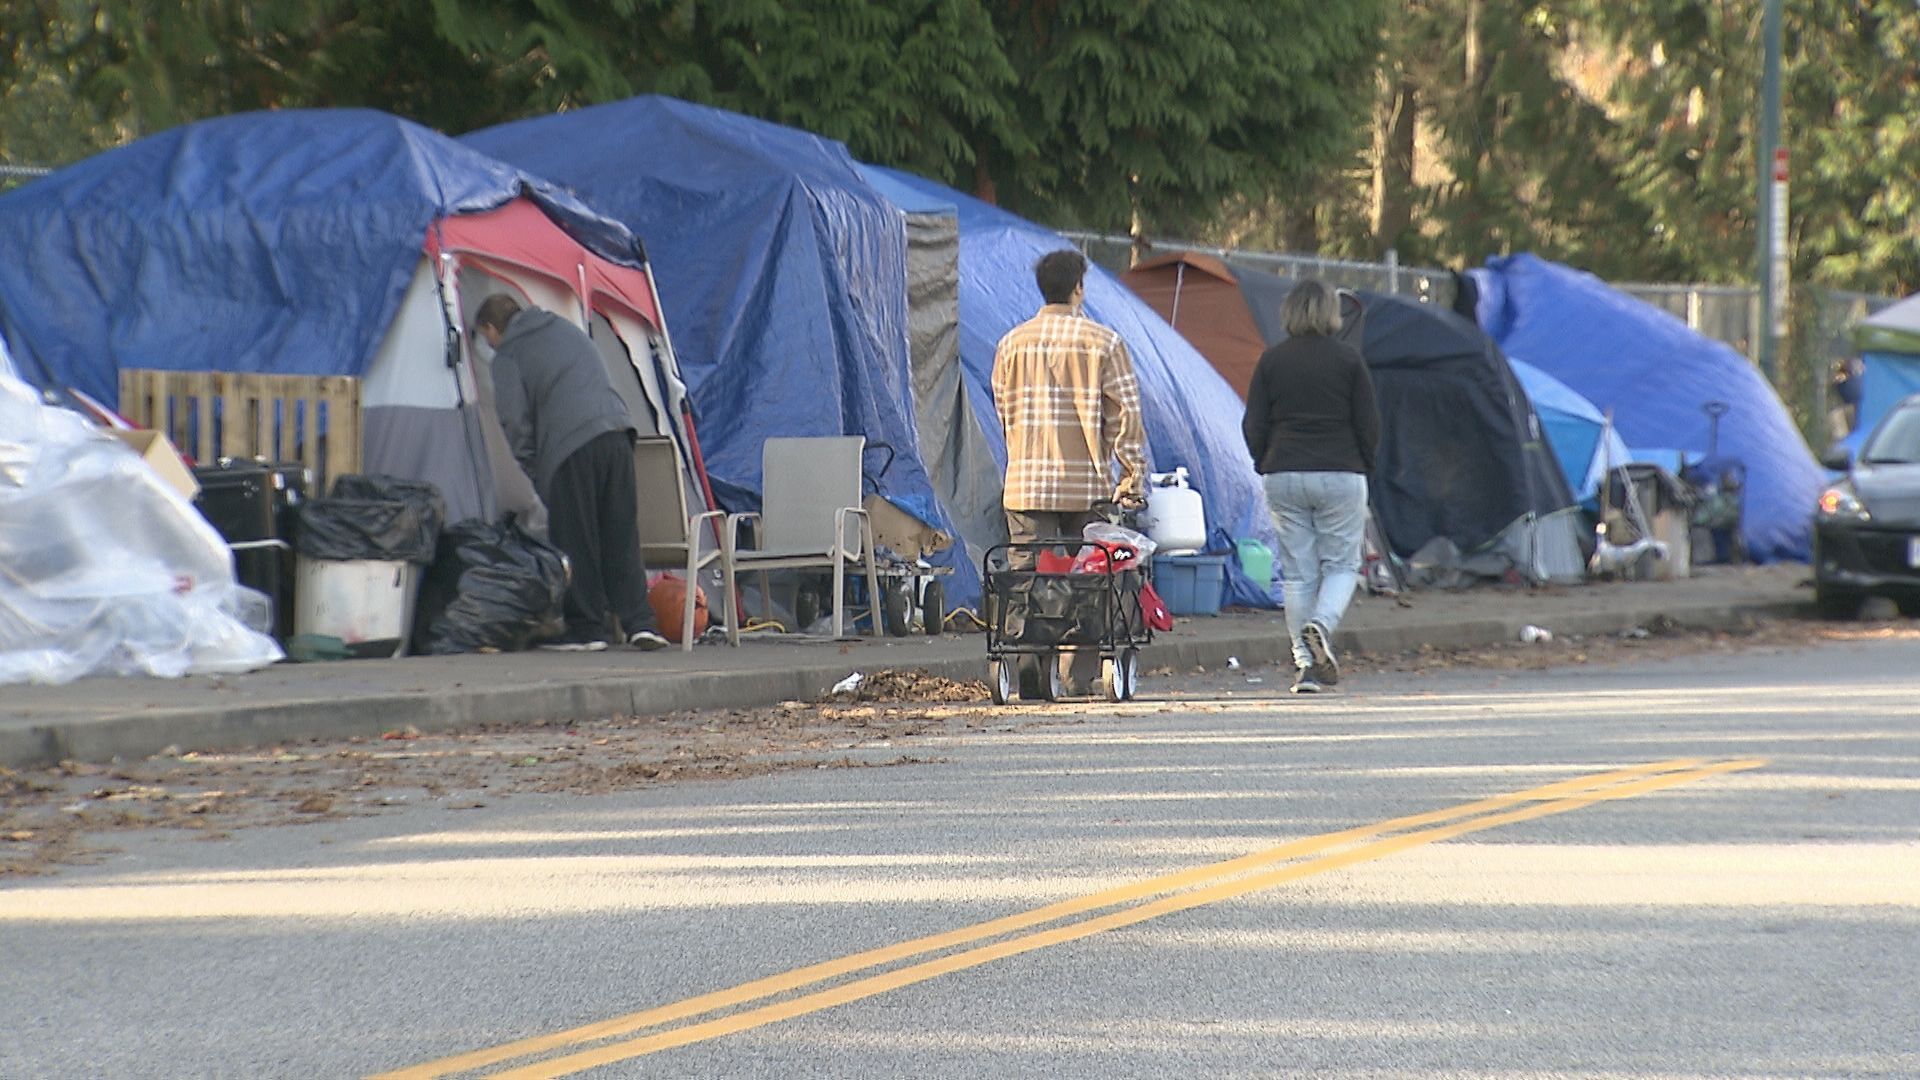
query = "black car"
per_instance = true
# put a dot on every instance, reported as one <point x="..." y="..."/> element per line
<point x="1866" y="530"/>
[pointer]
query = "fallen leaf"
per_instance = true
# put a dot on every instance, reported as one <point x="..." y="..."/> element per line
<point x="314" y="804"/>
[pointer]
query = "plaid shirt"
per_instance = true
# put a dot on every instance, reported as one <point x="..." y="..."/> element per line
<point x="1069" y="404"/>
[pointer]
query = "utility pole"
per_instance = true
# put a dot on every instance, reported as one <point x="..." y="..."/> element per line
<point x="1771" y="256"/>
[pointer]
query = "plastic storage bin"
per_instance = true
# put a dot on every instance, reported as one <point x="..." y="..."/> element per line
<point x="1191" y="584"/>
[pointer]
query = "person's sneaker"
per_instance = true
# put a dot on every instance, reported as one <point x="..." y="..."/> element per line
<point x="1305" y="683"/>
<point x="1326" y="669"/>
<point x="646" y="640"/>
<point x="573" y="644"/>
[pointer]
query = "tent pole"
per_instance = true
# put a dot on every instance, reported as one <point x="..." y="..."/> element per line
<point x="698" y="460"/>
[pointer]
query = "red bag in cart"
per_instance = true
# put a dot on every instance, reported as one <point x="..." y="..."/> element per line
<point x="1154" y="608"/>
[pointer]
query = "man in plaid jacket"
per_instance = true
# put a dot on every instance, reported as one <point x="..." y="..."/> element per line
<point x="1070" y="407"/>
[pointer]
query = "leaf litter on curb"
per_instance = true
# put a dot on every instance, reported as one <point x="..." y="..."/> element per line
<point x="61" y="815"/>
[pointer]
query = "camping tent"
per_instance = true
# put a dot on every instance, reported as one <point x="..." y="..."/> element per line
<point x="786" y="282"/>
<point x="324" y="243"/>
<point x="1582" y="439"/>
<point x="1890" y="353"/>
<point x="953" y="440"/>
<point x="1655" y="374"/>
<point x="1192" y="416"/>
<point x="1461" y="451"/>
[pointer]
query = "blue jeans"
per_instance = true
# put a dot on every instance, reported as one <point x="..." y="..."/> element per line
<point x="1322" y="521"/>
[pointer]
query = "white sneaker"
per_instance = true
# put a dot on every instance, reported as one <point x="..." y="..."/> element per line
<point x="1305" y="683"/>
<point x="646" y="640"/>
<point x="570" y="645"/>
<point x="1326" y="669"/>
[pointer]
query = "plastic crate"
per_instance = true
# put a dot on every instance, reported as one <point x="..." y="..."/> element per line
<point x="1191" y="584"/>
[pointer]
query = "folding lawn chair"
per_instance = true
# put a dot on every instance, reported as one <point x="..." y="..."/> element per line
<point x="811" y="518"/>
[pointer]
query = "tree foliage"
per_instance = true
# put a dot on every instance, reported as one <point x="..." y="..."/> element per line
<point x="1620" y="135"/>
<point x="1615" y="134"/>
<point x="1689" y="108"/>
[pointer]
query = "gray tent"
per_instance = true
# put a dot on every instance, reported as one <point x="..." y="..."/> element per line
<point x="958" y="456"/>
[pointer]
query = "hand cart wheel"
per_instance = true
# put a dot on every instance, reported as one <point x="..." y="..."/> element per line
<point x="896" y="600"/>
<point x="933" y="607"/>
<point x="1056" y="679"/>
<point x="1120" y="675"/>
<point x="1000" y="680"/>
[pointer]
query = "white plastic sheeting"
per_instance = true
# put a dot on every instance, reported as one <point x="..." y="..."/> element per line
<point x="104" y="569"/>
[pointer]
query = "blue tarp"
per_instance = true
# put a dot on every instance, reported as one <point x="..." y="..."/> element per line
<point x="1888" y="378"/>
<point x="1192" y="416"/>
<point x="1655" y="373"/>
<point x="782" y="272"/>
<point x="1573" y="428"/>
<point x="274" y="242"/>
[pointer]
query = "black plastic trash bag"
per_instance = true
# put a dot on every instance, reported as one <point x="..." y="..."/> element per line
<point x="371" y="517"/>
<point x="492" y="588"/>
<point x="419" y="493"/>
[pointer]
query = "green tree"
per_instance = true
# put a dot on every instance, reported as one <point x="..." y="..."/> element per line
<point x="1687" y="108"/>
<point x="903" y="82"/>
<point x="1159" y="116"/>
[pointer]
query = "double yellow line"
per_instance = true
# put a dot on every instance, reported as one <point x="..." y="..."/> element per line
<point x="991" y="941"/>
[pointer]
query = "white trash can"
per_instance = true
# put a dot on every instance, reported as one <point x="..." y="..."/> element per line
<point x="366" y="603"/>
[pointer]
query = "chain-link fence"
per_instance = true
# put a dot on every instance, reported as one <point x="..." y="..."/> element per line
<point x="12" y="176"/>
<point x="1822" y="320"/>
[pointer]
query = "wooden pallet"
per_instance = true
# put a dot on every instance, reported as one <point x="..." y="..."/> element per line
<point x="312" y="419"/>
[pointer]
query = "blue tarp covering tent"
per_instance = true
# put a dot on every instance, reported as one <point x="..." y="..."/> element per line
<point x="276" y="242"/>
<point x="1655" y="373"/>
<point x="319" y="243"/>
<point x="1889" y="344"/>
<point x="1574" y="428"/>
<point x="783" y="275"/>
<point x="1192" y="416"/>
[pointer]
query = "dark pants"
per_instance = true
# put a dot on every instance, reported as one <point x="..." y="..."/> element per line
<point x="591" y="516"/>
<point x="1029" y="526"/>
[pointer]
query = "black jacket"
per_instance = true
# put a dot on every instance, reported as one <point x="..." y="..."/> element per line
<point x="1310" y="408"/>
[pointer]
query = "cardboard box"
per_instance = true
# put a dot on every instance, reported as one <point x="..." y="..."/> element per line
<point x="157" y="451"/>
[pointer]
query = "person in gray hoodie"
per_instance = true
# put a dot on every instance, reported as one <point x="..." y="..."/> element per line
<point x="571" y="432"/>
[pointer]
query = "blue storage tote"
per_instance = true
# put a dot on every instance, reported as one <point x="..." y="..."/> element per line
<point x="1191" y="584"/>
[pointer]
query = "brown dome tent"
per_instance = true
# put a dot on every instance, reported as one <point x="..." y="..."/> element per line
<point x="1202" y="297"/>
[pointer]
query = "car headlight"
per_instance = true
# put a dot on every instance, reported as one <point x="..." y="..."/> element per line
<point x="1840" y="503"/>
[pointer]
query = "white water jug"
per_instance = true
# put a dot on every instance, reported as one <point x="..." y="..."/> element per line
<point x="1176" y="515"/>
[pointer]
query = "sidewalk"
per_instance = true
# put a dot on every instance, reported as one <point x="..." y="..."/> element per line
<point x="100" y="719"/>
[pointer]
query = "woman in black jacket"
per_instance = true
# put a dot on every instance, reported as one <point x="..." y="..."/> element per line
<point x="1313" y="427"/>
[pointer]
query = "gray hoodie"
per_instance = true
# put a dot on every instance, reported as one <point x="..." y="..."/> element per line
<point x="552" y="392"/>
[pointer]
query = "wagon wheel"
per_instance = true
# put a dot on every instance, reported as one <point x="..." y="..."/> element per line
<point x="1000" y="680"/>
<point x="1056" y="679"/>
<point x="933" y="607"/>
<point x="895" y="600"/>
<point x="1120" y="675"/>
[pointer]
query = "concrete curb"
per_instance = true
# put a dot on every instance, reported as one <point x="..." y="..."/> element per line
<point x="140" y="733"/>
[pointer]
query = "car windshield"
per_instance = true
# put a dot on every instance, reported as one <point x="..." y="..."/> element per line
<point x="1896" y="441"/>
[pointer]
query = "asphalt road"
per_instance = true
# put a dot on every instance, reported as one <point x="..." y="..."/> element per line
<point x="1703" y="867"/>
